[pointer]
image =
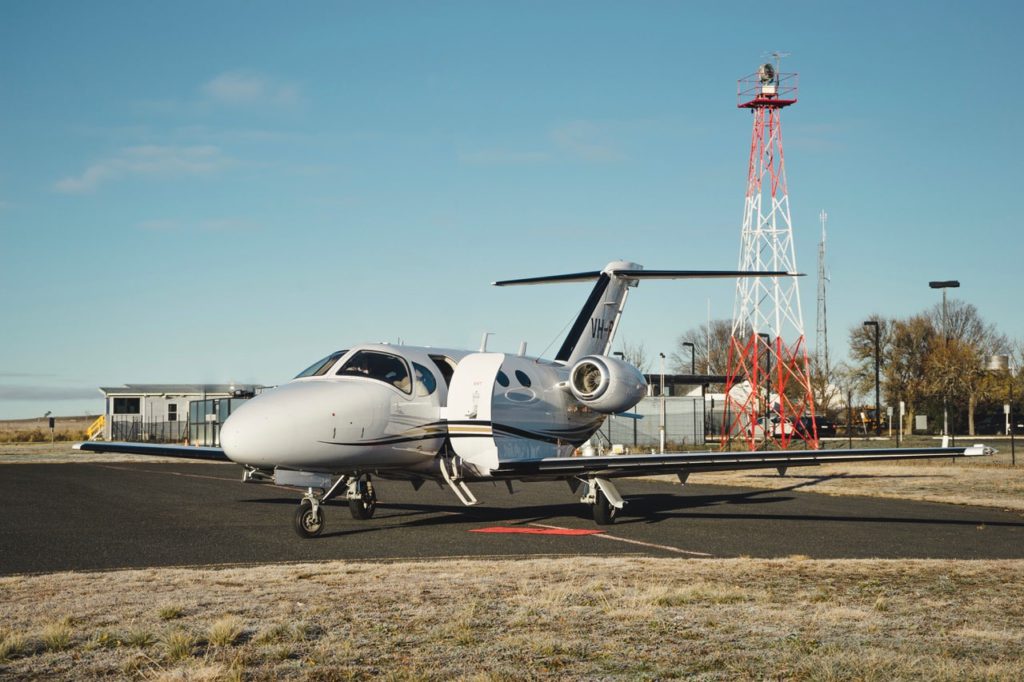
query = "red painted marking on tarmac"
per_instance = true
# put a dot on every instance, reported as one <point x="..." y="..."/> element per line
<point x="536" y="531"/>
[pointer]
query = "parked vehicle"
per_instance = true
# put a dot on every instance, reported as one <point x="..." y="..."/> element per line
<point x="805" y="427"/>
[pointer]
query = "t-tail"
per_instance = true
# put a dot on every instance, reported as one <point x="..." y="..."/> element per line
<point x="594" y="329"/>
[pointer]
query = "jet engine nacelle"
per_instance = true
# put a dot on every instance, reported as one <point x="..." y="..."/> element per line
<point x="606" y="384"/>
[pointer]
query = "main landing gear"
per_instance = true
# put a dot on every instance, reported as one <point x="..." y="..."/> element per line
<point x="362" y="500"/>
<point x="604" y="499"/>
<point x="362" y="503"/>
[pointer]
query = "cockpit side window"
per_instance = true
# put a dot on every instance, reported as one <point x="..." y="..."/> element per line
<point x="446" y="366"/>
<point x="321" y="367"/>
<point x="426" y="384"/>
<point x="380" y="366"/>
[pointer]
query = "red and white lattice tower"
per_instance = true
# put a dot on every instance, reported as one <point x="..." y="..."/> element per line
<point x="768" y="388"/>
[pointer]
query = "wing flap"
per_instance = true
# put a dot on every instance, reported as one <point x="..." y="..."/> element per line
<point x="156" y="450"/>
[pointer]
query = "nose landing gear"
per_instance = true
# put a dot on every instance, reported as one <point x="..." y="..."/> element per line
<point x="309" y="517"/>
<point x="362" y="503"/>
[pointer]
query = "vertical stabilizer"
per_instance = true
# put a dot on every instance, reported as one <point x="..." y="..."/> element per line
<point x="595" y="326"/>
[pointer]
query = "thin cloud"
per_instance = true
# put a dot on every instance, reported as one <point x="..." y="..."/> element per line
<point x="227" y="225"/>
<point x="584" y="140"/>
<point x="210" y="225"/>
<point x="502" y="157"/>
<point x="159" y="225"/>
<point x="146" y="160"/>
<point x="247" y="88"/>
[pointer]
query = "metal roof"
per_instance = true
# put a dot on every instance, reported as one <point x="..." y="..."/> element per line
<point x="178" y="389"/>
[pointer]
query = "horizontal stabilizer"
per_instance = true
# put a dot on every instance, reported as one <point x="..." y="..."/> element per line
<point x="702" y="274"/>
<point x="647" y="274"/>
<point x="574" y="277"/>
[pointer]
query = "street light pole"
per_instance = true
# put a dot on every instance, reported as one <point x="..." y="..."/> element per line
<point x="878" y="402"/>
<point x="693" y="372"/>
<point x="661" y="421"/>
<point x="945" y="284"/>
<point x="693" y="356"/>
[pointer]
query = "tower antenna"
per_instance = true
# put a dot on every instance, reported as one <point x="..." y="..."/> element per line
<point x="768" y="386"/>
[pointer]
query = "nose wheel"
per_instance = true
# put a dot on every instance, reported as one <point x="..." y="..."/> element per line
<point x="309" y="518"/>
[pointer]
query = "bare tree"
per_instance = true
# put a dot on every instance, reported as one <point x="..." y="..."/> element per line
<point x="911" y="343"/>
<point x="956" y="368"/>
<point x="636" y="355"/>
<point x="849" y="381"/>
<point x="862" y="341"/>
<point x="824" y="388"/>
<point x="713" y="359"/>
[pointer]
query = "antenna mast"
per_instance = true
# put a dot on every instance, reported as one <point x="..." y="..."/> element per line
<point x="821" y="334"/>
<point x="768" y="387"/>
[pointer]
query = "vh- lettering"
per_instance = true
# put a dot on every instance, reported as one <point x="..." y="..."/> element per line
<point x="600" y="328"/>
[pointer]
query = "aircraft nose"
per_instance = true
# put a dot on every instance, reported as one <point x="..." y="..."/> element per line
<point x="289" y="423"/>
<point x="266" y="428"/>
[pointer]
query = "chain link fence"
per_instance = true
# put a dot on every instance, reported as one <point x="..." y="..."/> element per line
<point x="684" y="424"/>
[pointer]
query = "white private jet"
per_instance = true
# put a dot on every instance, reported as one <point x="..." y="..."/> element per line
<point x="458" y="416"/>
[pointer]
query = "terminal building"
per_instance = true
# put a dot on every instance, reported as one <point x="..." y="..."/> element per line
<point x="170" y="413"/>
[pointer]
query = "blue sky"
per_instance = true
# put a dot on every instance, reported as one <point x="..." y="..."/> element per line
<point x="208" y="192"/>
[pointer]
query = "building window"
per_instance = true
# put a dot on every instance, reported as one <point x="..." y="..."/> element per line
<point x="127" y="405"/>
<point x="172" y="412"/>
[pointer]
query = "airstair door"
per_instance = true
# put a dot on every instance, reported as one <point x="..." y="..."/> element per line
<point x="469" y="410"/>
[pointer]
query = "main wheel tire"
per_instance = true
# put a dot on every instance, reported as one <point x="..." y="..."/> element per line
<point x="308" y="524"/>
<point x="362" y="508"/>
<point x="604" y="511"/>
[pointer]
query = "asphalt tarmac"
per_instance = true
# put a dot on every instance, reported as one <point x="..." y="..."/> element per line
<point x="56" y="517"/>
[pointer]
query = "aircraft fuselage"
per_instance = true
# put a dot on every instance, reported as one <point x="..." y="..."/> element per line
<point x="397" y="416"/>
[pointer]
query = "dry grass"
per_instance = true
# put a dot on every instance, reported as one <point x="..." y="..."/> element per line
<point x="982" y="485"/>
<point x="178" y="645"/>
<point x="38" y="431"/>
<point x="57" y="636"/>
<point x="13" y="645"/>
<point x="170" y="612"/>
<point x="585" y="618"/>
<point x="225" y="631"/>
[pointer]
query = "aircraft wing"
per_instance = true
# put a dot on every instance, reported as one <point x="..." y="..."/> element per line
<point x="692" y="462"/>
<point x="156" y="450"/>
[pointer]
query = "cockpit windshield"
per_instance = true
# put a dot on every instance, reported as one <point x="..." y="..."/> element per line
<point x="321" y="367"/>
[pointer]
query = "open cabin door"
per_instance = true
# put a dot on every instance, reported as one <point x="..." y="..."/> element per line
<point x="469" y="411"/>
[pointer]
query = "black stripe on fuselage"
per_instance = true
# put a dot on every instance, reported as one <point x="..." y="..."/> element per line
<point x="578" y="327"/>
<point x="554" y="438"/>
